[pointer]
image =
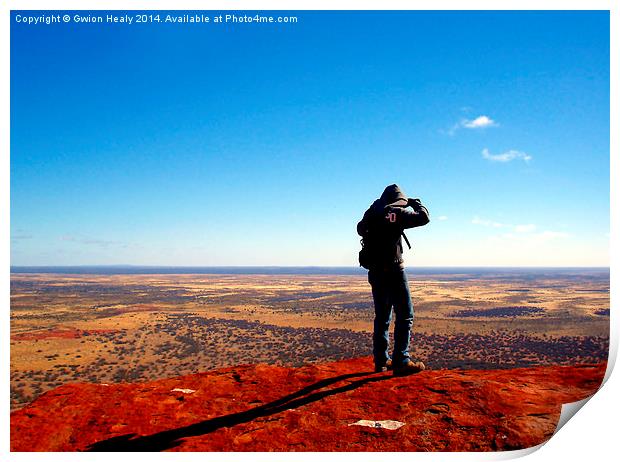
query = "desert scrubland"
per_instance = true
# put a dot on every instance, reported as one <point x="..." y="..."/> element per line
<point x="116" y="328"/>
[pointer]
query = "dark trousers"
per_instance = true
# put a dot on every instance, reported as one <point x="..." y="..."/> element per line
<point x="390" y="289"/>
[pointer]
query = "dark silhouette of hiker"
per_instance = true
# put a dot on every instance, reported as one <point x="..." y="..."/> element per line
<point x="381" y="229"/>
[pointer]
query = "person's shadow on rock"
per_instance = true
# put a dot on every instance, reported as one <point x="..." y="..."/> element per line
<point x="168" y="439"/>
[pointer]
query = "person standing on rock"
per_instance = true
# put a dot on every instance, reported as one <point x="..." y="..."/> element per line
<point x="381" y="229"/>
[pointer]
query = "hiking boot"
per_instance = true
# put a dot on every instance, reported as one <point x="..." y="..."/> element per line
<point x="387" y="366"/>
<point x="410" y="367"/>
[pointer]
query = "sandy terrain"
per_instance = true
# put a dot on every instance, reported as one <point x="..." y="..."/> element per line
<point x="112" y="328"/>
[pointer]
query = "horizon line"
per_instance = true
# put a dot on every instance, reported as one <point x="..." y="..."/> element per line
<point x="294" y="270"/>
<point x="122" y="265"/>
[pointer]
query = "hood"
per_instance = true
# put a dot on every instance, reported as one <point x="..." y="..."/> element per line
<point x="392" y="195"/>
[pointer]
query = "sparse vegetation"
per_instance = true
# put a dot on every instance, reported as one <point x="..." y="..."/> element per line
<point x="114" y="328"/>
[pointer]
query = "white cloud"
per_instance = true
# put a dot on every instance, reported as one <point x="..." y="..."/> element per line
<point x="479" y="122"/>
<point x="493" y="224"/>
<point x="442" y="218"/>
<point x="525" y="228"/>
<point x="506" y="156"/>
<point x="452" y="130"/>
<point x="547" y="235"/>
<point x="518" y="231"/>
<point x="476" y="123"/>
<point x="103" y="243"/>
<point x="530" y="238"/>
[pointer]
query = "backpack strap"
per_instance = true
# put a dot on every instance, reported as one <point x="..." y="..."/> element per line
<point x="406" y="240"/>
<point x="402" y="232"/>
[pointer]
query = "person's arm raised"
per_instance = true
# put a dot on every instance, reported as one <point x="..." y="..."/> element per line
<point x="418" y="217"/>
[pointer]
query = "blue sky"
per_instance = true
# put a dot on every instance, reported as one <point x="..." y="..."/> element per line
<point x="263" y="144"/>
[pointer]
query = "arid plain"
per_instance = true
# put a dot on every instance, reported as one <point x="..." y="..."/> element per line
<point x="134" y="327"/>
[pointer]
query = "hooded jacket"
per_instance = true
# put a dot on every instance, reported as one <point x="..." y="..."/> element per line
<point x="383" y="224"/>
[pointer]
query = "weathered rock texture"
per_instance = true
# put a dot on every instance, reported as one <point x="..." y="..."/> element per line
<point x="270" y="408"/>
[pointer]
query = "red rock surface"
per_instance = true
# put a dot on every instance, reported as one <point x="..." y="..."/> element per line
<point x="61" y="332"/>
<point x="271" y="408"/>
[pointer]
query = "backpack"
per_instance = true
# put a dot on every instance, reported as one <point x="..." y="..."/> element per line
<point x="365" y="256"/>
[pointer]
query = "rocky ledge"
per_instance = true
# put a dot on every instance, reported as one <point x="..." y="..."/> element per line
<point x="337" y="406"/>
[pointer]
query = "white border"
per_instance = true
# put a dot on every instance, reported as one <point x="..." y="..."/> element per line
<point x="590" y="436"/>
